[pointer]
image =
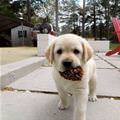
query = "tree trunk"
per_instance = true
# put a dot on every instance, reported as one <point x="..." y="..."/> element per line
<point x="28" y="11"/>
<point x="56" y="14"/>
<point x="83" y="20"/>
<point x="94" y="20"/>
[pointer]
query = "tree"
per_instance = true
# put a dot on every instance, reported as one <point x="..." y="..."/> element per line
<point x="8" y="8"/>
<point x="70" y="16"/>
<point x="104" y="11"/>
<point x="111" y="8"/>
<point x="44" y="8"/>
<point x="16" y="9"/>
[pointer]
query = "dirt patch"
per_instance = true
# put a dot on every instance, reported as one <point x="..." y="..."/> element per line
<point x="14" y="54"/>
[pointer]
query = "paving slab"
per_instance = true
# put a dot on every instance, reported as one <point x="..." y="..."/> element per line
<point x="96" y="57"/>
<point x="101" y="64"/>
<point x="37" y="106"/>
<point x="20" y="64"/>
<point x="0" y="106"/>
<point x="41" y="80"/>
<point x="14" y="71"/>
<point x="114" y="59"/>
<point x="115" y="63"/>
<point x="108" y="82"/>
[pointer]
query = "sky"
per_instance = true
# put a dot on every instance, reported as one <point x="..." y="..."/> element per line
<point x="80" y="2"/>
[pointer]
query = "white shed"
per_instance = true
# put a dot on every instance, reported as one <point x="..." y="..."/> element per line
<point x="15" y="32"/>
<point x="21" y="35"/>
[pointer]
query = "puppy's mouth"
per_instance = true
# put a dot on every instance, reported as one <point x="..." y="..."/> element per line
<point x="73" y="74"/>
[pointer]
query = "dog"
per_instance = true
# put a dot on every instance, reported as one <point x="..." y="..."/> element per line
<point x="69" y="51"/>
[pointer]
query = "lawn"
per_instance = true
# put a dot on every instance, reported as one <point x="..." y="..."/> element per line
<point x="113" y="45"/>
<point x="14" y="54"/>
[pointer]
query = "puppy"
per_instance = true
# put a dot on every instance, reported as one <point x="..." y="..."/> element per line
<point x="66" y="52"/>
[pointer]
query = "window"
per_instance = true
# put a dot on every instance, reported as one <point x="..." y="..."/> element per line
<point x="22" y="34"/>
<point x="25" y="34"/>
<point x="19" y="34"/>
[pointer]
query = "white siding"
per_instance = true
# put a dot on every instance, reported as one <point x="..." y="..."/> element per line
<point x="43" y="40"/>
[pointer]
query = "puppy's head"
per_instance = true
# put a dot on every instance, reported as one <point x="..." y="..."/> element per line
<point x="68" y="51"/>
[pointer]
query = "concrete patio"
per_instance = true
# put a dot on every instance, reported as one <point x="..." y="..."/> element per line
<point x="34" y="95"/>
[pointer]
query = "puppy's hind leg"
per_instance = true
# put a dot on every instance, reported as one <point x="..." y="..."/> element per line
<point x="92" y="89"/>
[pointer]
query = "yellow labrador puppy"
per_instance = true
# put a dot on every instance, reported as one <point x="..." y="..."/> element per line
<point x="66" y="52"/>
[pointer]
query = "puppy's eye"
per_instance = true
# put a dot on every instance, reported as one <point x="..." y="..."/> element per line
<point x="76" y="51"/>
<point x="59" y="51"/>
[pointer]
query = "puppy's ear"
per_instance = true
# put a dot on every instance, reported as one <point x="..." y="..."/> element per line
<point x="87" y="51"/>
<point x="49" y="53"/>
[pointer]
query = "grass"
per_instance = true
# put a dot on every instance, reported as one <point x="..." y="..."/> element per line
<point x="113" y="45"/>
<point x="14" y="54"/>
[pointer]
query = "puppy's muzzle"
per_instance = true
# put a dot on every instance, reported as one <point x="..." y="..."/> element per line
<point x="67" y="64"/>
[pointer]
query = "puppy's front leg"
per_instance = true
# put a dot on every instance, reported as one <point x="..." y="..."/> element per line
<point x="63" y="103"/>
<point x="80" y="105"/>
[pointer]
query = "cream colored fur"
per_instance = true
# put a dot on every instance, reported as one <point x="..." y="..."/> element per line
<point x="79" y="89"/>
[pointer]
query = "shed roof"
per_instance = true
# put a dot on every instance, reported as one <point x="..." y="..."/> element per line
<point x="8" y="23"/>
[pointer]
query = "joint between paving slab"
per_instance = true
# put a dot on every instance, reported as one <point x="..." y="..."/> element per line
<point x="56" y="93"/>
<point x="107" y="68"/>
<point x="32" y="91"/>
<point x="108" y="62"/>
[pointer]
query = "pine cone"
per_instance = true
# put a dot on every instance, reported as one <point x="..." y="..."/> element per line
<point x="74" y="74"/>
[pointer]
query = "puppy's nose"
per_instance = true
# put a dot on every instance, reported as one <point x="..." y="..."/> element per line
<point x="67" y="64"/>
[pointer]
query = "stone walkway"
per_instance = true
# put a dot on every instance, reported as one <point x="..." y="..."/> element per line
<point x="34" y="96"/>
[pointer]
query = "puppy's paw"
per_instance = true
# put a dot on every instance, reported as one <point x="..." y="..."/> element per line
<point x="92" y="98"/>
<point x="62" y="106"/>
